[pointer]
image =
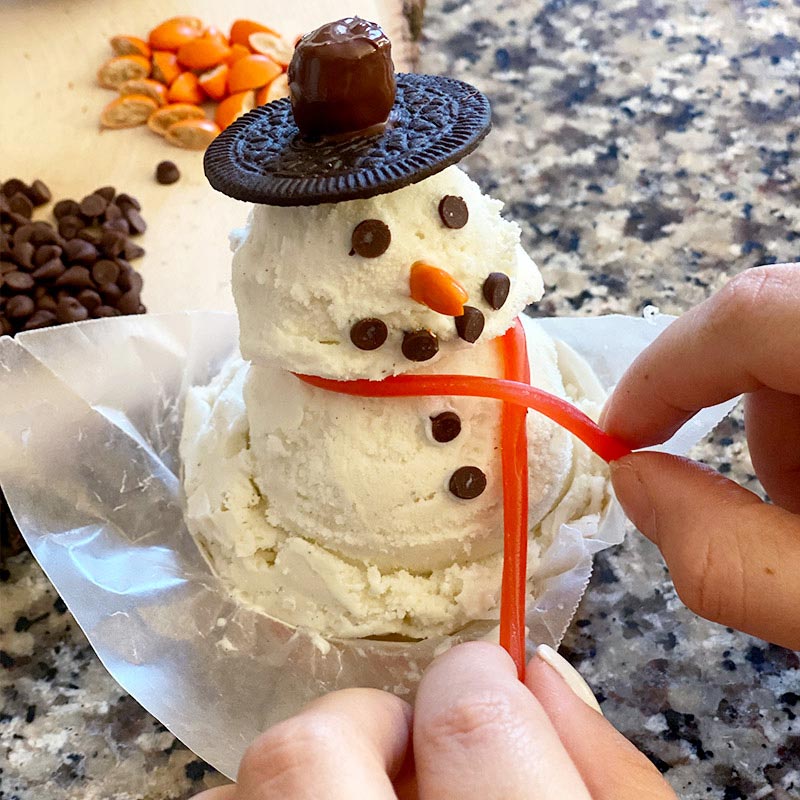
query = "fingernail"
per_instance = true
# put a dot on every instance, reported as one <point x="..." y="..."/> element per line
<point x="632" y="494"/>
<point x="569" y="675"/>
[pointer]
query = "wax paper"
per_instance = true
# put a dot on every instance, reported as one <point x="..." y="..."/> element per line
<point x="90" y="419"/>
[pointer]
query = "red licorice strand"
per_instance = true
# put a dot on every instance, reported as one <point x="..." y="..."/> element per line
<point x="608" y="447"/>
<point x="514" y="455"/>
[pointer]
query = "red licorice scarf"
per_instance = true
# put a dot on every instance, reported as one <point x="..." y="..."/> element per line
<point x="517" y="395"/>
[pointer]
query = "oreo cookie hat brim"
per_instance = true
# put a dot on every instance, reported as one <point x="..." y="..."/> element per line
<point x="262" y="158"/>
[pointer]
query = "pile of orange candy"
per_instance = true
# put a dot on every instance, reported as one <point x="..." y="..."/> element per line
<point x="184" y="63"/>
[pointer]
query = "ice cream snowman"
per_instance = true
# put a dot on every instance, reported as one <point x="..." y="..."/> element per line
<point x="368" y="259"/>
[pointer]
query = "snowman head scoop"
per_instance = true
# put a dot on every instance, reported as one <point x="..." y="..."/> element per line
<point x="367" y="252"/>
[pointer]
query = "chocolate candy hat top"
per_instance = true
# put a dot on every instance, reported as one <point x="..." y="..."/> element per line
<point x="352" y="128"/>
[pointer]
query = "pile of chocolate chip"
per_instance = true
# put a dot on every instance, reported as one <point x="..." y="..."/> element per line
<point x="74" y="270"/>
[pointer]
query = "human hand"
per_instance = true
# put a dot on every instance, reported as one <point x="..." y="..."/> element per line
<point x="733" y="558"/>
<point x="477" y="733"/>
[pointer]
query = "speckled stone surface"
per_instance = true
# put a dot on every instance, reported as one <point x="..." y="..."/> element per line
<point x="647" y="149"/>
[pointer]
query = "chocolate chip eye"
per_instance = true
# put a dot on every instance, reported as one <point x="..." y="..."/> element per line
<point x="420" y="345"/>
<point x="469" y="325"/>
<point x="453" y="211"/>
<point x="368" y="334"/>
<point x="467" y="482"/>
<point x="371" y="238"/>
<point x="496" y="288"/>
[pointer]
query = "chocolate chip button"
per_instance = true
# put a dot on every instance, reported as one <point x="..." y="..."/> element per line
<point x="496" y="288"/>
<point x="420" y="345"/>
<point x="368" y="334"/>
<point x="453" y="211"/>
<point x="469" y="325"/>
<point x="467" y="483"/>
<point x="371" y="238"/>
<point x="445" y="426"/>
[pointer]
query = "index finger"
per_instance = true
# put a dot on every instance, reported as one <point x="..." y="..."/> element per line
<point x="744" y="338"/>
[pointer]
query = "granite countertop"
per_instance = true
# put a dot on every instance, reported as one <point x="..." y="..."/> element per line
<point x="647" y="149"/>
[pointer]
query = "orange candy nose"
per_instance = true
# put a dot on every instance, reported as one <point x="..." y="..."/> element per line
<point x="437" y="289"/>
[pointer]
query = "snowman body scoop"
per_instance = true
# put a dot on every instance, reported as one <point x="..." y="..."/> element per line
<point x="372" y="516"/>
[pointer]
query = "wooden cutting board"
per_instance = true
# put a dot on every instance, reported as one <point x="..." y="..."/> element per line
<point x="50" y="51"/>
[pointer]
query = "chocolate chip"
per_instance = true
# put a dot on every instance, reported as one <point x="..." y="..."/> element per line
<point x="66" y="208"/>
<point x="19" y="281"/>
<point x="20" y="305"/>
<point x="23" y="255"/>
<point x="111" y="293"/>
<point x="39" y="193"/>
<point x="93" y="205"/>
<point x="50" y="270"/>
<point x="126" y="200"/>
<point x="41" y="319"/>
<point x="78" y="251"/>
<point x="105" y="311"/>
<point x="112" y="212"/>
<point x="6" y="328"/>
<point x="46" y="303"/>
<point x="106" y="192"/>
<point x="371" y="238"/>
<point x="45" y="233"/>
<point x="469" y="325"/>
<point x="92" y="235"/>
<point x="89" y="299"/>
<point x="120" y="225"/>
<point x="20" y="204"/>
<point x="14" y="185"/>
<point x="453" y="211"/>
<point x="78" y="277"/>
<point x="7" y="266"/>
<point x="129" y="302"/>
<point x="105" y="271"/>
<point x="132" y="250"/>
<point x="113" y="242"/>
<point x="69" y="225"/>
<point x="420" y="345"/>
<point x="137" y="224"/>
<point x="445" y="426"/>
<point x="369" y="333"/>
<point x="70" y="310"/>
<point x="467" y="482"/>
<point x="167" y="172"/>
<point x="15" y="220"/>
<point x="44" y="253"/>
<point x="23" y="233"/>
<point x="129" y="279"/>
<point x="496" y="288"/>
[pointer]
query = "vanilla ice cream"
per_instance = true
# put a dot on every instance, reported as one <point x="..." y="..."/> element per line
<point x="335" y="512"/>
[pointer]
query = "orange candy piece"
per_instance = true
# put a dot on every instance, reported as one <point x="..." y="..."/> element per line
<point x="237" y="51"/>
<point x="119" y="69"/>
<point x="437" y="289"/>
<point x="130" y="46"/>
<point x="273" y="45"/>
<point x="192" y="134"/>
<point x="144" y="86"/>
<point x="173" y="33"/>
<point x="163" y="119"/>
<point x="127" y="111"/>
<point x="203" y="53"/>
<point x="252" y="72"/>
<point x="185" y="89"/>
<point x="165" y="66"/>
<point x="231" y="108"/>
<point x="214" y="82"/>
<point x="242" y="28"/>
<point x="274" y="90"/>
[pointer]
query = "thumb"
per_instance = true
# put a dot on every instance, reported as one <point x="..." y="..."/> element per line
<point x="733" y="558"/>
